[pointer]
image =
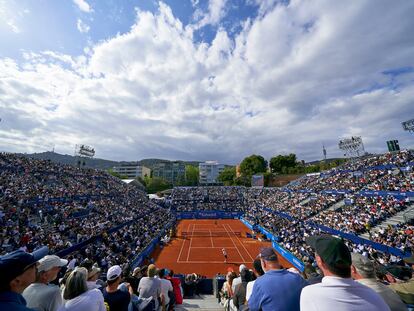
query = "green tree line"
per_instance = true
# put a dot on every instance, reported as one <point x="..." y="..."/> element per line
<point x="278" y="165"/>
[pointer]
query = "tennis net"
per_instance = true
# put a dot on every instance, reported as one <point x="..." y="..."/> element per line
<point x="208" y="234"/>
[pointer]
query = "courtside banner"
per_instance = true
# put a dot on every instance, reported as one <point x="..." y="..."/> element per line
<point x="289" y="257"/>
<point x="209" y="215"/>
<point x="286" y="254"/>
<point x="248" y="225"/>
<point x="397" y="194"/>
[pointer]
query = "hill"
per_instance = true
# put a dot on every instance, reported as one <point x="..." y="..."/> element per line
<point x="97" y="163"/>
<point x="71" y="160"/>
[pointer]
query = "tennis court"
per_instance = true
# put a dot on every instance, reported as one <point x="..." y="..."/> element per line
<point x="199" y="243"/>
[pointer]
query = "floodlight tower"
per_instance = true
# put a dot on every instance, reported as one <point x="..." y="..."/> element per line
<point x="83" y="152"/>
<point x="408" y="126"/>
<point x="353" y="147"/>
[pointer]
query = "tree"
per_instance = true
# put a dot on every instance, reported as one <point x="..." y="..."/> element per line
<point x="228" y="176"/>
<point x="191" y="175"/>
<point x="282" y="163"/>
<point x="156" y="184"/>
<point x="142" y="181"/>
<point x="111" y="171"/>
<point x="253" y="165"/>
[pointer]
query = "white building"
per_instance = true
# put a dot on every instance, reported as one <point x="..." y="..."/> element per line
<point x="132" y="170"/>
<point x="209" y="171"/>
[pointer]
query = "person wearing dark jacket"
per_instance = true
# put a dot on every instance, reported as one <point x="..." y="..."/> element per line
<point x="239" y="298"/>
<point x="17" y="271"/>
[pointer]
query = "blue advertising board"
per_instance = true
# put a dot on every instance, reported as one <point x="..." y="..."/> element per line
<point x="209" y="215"/>
<point x="396" y="194"/>
<point x="286" y="254"/>
<point x="289" y="257"/>
<point x="246" y="223"/>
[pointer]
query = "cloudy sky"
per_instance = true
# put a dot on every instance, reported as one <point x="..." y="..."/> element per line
<point x="204" y="79"/>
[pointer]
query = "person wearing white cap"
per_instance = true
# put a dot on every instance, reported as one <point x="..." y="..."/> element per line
<point x="114" y="297"/>
<point x="41" y="295"/>
<point x="238" y="279"/>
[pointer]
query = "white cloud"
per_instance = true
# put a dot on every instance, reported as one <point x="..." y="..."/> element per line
<point x="82" y="27"/>
<point x="295" y="77"/>
<point x="216" y="11"/>
<point x="13" y="26"/>
<point x="83" y="6"/>
<point x="12" y="16"/>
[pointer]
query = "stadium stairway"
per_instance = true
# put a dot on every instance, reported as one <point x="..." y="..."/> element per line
<point x="394" y="220"/>
<point x="337" y="205"/>
<point x="200" y="303"/>
<point x="304" y="201"/>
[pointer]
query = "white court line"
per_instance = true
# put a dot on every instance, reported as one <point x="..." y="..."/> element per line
<point x="248" y="253"/>
<point x="191" y="240"/>
<point x="241" y="256"/>
<point x="212" y="247"/>
<point x="182" y="246"/>
<point x="211" y="238"/>
<point x="208" y="262"/>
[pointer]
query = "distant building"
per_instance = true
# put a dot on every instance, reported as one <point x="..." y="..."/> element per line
<point x="132" y="170"/>
<point x="209" y="172"/>
<point x="172" y="172"/>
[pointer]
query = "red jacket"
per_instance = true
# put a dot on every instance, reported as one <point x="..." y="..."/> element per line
<point x="177" y="289"/>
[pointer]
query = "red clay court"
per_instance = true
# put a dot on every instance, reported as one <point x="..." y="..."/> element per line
<point x="198" y="247"/>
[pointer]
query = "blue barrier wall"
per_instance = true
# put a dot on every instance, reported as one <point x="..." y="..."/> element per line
<point x="246" y="223"/>
<point x="137" y="261"/>
<point x="352" y="237"/>
<point x="358" y="240"/>
<point x="286" y="254"/>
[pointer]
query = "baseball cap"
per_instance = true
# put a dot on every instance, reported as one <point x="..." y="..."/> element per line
<point x="113" y="273"/>
<point x="242" y="267"/>
<point x="333" y="251"/>
<point x="50" y="261"/>
<point x="268" y="254"/>
<point x="362" y="263"/>
<point x="15" y="263"/>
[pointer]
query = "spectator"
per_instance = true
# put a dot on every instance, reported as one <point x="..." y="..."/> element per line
<point x="277" y="289"/>
<point x="258" y="272"/>
<point x="135" y="278"/>
<point x="176" y="283"/>
<point x="149" y="286"/>
<point x="93" y="278"/>
<point x="363" y="271"/>
<point x="239" y="297"/>
<point x="311" y="276"/>
<point x="337" y="291"/>
<point x="41" y="295"/>
<point x="226" y="292"/>
<point x="237" y="280"/>
<point x="403" y="283"/>
<point x="166" y="289"/>
<point x="18" y="271"/>
<point x="114" y="297"/>
<point x="77" y="295"/>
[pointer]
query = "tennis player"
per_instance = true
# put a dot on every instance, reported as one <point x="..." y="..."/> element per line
<point x="223" y="250"/>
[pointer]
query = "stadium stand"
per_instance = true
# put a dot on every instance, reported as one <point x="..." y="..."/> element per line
<point x="95" y="220"/>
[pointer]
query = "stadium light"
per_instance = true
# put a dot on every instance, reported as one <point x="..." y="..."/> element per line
<point x="82" y="152"/>
<point x="353" y="147"/>
<point x="408" y="126"/>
